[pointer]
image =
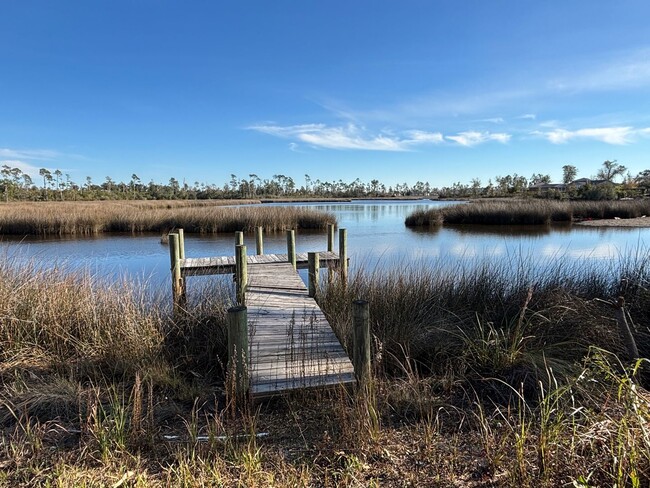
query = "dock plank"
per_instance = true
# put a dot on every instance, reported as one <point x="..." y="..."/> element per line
<point x="226" y="264"/>
<point x="291" y="343"/>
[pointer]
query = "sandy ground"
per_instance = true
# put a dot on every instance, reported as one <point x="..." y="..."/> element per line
<point x="638" y="222"/>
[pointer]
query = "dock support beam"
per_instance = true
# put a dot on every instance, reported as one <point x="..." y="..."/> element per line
<point x="343" y="253"/>
<point x="313" y="260"/>
<point x="259" y="241"/>
<point x="330" y="237"/>
<point x="178" y="288"/>
<point x="241" y="275"/>
<point x="181" y="243"/>
<point x="361" y="341"/>
<point x="291" y="247"/>
<point x="239" y="238"/>
<point x="238" y="353"/>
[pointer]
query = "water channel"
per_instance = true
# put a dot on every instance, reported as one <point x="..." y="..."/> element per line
<point x="377" y="236"/>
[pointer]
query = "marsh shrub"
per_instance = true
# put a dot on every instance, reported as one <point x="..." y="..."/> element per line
<point x="527" y="212"/>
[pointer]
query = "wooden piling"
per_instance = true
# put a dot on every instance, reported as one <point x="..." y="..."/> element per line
<point x="181" y="254"/>
<point x="313" y="260"/>
<point x="259" y="241"/>
<point x="330" y="237"/>
<point x="181" y="243"/>
<point x="330" y="248"/>
<point x="239" y="238"/>
<point x="177" y="280"/>
<point x="361" y="341"/>
<point x="238" y="352"/>
<point x="291" y="247"/>
<point x="343" y="252"/>
<point x="241" y="275"/>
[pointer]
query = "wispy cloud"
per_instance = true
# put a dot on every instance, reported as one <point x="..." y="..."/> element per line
<point x="349" y="137"/>
<point x="358" y="138"/>
<point x="32" y="154"/>
<point x="527" y="117"/>
<point x="27" y="168"/>
<point x="608" y="135"/>
<point x="493" y="120"/>
<point x="623" y="71"/>
<point x="473" y="138"/>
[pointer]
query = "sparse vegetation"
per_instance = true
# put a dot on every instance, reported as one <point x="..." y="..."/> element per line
<point x="485" y="376"/>
<point x="88" y="218"/>
<point x="527" y="212"/>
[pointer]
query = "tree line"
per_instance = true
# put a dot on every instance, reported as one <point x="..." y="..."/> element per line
<point x="55" y="185"/>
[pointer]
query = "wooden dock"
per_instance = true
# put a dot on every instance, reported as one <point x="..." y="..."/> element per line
<point x="290" y="344"/>
<point x="226" y="264"/>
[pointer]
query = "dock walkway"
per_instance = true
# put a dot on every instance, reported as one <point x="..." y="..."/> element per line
<point x="226" y="264"/>
<point x="291" y="343"/>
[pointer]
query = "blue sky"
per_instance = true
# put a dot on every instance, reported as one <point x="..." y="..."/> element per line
<point x="437" y="91"/>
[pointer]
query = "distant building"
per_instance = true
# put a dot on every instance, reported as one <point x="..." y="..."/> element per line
<point x="541" y="187"/>
<point x="587" y="181"/>
<point x="561" y="187"/>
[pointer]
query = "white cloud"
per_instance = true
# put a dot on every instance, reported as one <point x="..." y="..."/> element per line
<point x="350" y="137"/>
<point x="493" y="120"/>
<point x="36" y="154"/>
<point x="528" y="116"/>
<point x="608" y="135"/>
<point x="623" y="71"/>
<point x="472" y="138"/>
<point x="419" y="136"/>
<point x="22" y="166"/>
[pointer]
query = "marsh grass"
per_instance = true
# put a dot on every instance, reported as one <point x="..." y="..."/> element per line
<point x="527" y="212"/>
<point x="89" y="218"/>
<point x="484" y="376"/>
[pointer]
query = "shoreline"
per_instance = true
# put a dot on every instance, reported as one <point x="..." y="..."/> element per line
<point x="638" y="222"/>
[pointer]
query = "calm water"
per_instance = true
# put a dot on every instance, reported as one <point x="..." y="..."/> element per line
<point x="376" y="236"/>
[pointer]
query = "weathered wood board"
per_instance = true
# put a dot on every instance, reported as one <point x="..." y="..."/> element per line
<point x="291" y="343"/>
<point x="226" y="264"/>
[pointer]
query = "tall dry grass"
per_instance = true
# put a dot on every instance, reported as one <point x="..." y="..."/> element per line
<point x="527" y="212"/>
<point x="502" y="319"/>
<point x="88" y="218"/>
<point x="477" y="378"/>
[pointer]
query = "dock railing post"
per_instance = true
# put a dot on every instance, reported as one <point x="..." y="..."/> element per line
<point x="177" y="280"/>
<point x="259" y="241"/>
<point x="330" y="237"/>
<point x="361" y="341"/>
<point x="343" y="253"/>
<point x="330" y="248"/>
<point x="241" y="273"/>
<point x="181" y="243"/>
<point x="239" y="238"/>
<point x="313" y="260"/>
<point x="181" y="255"/>
<point x="291" y="247"/>
<point x="238" y="353"/>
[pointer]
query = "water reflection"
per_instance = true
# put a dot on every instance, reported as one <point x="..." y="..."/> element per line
<point x="377" y="237"/>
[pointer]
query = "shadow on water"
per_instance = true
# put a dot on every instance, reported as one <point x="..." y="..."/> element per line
<point x="495" y="230"/>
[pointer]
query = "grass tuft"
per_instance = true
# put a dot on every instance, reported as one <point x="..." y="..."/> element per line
<point x="527" y="212"/>
<point x="90" y="218"/>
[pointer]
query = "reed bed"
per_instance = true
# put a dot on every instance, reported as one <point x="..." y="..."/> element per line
<point x="527" y="212"/>
<point x="487" y="375"/>
<point x="90" y="218"/>
<point x="430" y="313"/>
